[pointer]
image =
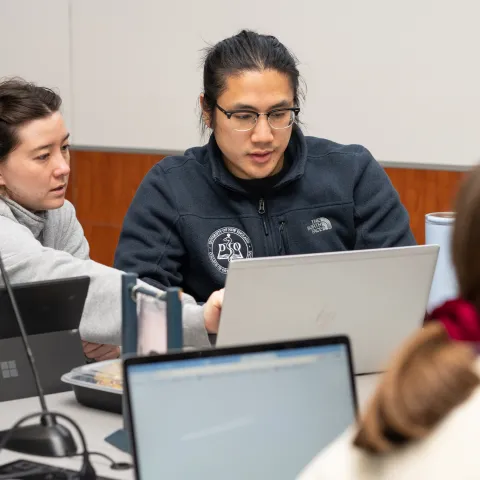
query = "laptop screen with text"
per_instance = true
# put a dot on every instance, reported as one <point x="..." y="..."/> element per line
<point x="243" y="415"/>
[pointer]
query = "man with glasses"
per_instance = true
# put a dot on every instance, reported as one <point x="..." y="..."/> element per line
<point x="259" y="187"/>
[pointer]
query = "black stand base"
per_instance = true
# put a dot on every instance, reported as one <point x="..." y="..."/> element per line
<point x="45" y="440"/>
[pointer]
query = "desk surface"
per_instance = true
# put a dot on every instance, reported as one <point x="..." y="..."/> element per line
<point x="96" y="425"/>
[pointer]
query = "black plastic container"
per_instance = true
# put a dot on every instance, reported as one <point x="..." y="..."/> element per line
<point x="89" y="392"/>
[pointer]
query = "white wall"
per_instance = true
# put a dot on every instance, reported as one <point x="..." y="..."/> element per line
<point x="401" y="78"/>
<point x="34" y="44"/>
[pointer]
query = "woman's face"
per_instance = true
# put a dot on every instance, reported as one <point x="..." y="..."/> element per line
<point x="35" y="174"/>
<point x="259" y="152"/>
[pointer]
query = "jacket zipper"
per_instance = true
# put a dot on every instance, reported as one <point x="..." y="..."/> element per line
<point x="283" y="236"/>
<point x="261" y="211"/>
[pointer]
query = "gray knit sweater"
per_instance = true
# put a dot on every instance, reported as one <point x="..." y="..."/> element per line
<point x="51" y="245"/>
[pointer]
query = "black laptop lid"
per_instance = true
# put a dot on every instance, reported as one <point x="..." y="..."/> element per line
<point x="259" y="411"/>
<point x="47" y="306"/>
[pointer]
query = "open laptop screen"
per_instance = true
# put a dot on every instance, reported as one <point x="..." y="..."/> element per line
<point x="240" y="415"/>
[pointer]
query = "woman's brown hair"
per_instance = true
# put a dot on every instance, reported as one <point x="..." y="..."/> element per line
<point x="431" y="374"/>
<point x="20" y="103"/>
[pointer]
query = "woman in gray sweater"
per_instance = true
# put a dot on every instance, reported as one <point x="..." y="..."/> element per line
<point x="40" y="236"/>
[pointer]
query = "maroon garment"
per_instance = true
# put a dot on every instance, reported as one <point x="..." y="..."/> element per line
<point x="460" y="318"/>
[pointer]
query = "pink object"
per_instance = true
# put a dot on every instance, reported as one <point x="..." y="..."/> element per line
<point x="152" y="325"/>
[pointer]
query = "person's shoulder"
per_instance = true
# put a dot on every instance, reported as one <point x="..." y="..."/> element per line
<point x="333" y="462"/>
<point x="173" y="172"/>
<point x="5" y="211"/>
<point x="13" y="234"/>
<point x="192" y="158"/>
<point x="339" y="161"/>
<point x="321" y="147"/>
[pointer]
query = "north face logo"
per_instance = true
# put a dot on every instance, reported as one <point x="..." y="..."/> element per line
<point x="319" y="225"/>
<point x="9" y="369"/>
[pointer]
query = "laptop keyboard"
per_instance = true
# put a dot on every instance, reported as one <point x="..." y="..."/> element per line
<point x="24" y="469"/>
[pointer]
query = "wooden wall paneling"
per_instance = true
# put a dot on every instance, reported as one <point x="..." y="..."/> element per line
<point x="425" y="191"/>
<point x="103" y="241"/>
<point x="106" y="182"/>
<point x="103" y="186"/>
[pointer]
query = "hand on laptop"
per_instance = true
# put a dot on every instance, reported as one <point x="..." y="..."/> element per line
<point x="100" y="352"/>
<point x="212" y="310"/>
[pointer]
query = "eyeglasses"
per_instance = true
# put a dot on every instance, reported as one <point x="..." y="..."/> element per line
<point x="245" y="120"/>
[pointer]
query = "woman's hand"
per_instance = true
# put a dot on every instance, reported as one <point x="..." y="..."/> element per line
<point x="100" y="352"/>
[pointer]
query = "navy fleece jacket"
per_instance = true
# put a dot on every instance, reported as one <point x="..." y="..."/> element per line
<point x="190" y="216"/>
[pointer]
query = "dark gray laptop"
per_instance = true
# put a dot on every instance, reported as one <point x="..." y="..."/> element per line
<point x="51" y="311"/>
<point x="250" y="412"/>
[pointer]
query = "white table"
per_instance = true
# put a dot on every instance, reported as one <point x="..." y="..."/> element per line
<point x="96" y="425"/>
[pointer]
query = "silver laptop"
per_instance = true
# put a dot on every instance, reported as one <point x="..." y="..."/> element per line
<point x="51" y="311"/>
<point x="255" y="412"/>
<point x="376" y="297"/>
